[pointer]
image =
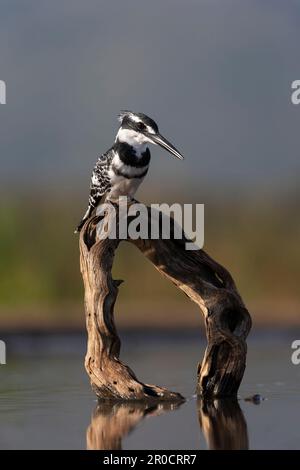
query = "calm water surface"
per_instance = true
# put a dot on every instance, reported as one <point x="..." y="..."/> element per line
<point x="46" y="401"/>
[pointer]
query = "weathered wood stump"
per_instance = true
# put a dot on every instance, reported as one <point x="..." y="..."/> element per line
<point x="202" y="279"/>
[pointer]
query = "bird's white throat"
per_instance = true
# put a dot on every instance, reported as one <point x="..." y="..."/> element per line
<point x="136" y="139"/>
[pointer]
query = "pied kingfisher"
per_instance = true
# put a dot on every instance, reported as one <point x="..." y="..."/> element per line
<point x="120" y="170"/>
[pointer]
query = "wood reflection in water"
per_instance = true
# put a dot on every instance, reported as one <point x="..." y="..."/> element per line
<point x="223" y="424"/>
<point x="111" y="422"/>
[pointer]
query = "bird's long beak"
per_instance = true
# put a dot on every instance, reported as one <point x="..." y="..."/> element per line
<point x="164" y="143"/>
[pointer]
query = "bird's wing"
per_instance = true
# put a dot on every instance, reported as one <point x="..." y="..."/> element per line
<point x="100" y="181"/>
<point x="105" y="158"/>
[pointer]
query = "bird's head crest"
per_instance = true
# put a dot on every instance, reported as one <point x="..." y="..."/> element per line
<point x="124" y="113"/>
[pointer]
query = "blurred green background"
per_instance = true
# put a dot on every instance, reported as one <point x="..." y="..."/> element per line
<point x="216" y="75"/>
<point x="41" y="284"/>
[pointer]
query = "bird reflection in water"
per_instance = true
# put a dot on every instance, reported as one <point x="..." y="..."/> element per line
<point x="111" y="422"/>
<point x="223" y="424"/>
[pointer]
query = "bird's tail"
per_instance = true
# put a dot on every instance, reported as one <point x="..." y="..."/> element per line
<point x="86" y="216"/>
<point x="79" y="227"/>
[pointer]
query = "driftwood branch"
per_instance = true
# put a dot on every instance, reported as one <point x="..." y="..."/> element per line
<point x="202" y="279"/>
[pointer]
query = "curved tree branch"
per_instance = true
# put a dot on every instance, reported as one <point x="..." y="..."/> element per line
<point x="203" y="280"/>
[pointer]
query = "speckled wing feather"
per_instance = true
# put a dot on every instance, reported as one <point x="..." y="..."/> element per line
<point x="100" y="184"/>
<point x="100" y="181"/>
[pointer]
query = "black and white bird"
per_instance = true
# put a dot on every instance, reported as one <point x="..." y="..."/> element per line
<point x="120" y="170"/>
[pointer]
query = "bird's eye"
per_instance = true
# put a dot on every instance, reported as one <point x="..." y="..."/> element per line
<point x="141" y="126"/>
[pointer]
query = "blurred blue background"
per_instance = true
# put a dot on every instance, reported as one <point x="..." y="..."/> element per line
<point x="216" y="76"/>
